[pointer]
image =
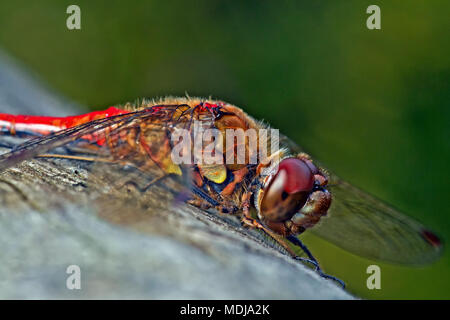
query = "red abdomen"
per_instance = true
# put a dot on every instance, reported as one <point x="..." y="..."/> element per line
<point x="42" y="125"/>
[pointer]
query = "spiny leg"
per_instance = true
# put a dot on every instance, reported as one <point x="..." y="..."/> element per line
<point x="200" y="203"/>
<point x="155" y="180"/>
<point x="296" y="241"/>
<point x="126" y="181"/>
<point x="253" y="223"/>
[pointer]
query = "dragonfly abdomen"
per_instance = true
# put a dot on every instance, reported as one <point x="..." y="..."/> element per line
<point x="43" y="125"/>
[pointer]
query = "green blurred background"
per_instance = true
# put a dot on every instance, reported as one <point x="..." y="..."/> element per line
<point x="371" y="104"/>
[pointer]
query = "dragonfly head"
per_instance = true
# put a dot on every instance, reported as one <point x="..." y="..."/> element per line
<point x="295" y="196"/>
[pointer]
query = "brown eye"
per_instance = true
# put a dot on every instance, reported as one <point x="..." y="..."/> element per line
<point x="299" y="175"/>
<point x="287" y="191"/>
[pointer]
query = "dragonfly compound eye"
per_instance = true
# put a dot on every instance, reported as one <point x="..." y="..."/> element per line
<point x="287" y="191"/>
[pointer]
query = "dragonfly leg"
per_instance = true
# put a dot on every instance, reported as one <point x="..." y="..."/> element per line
<point x="256" y="224"/>
<point x="253" y="223"/>
<point x="144" y="188"/>
<point x="200" y="203"/>
<point x="296" y="241"/>
<point x="204" y="201"/>
<point x="155" y="180"/>
<point x="203" y="196"/>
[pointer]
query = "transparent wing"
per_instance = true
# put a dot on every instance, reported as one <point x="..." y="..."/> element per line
<point x="366" y="226"/>
<point x="94" y="131"/>
<point x="129" y="150"/>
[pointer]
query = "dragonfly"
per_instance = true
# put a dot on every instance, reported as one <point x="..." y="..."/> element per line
<point x="283" y="194"/>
